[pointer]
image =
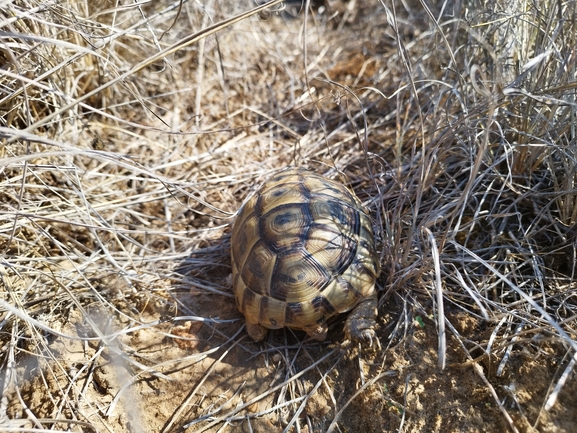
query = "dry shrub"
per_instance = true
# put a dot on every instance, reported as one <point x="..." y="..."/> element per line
<point x="132" y="132"/>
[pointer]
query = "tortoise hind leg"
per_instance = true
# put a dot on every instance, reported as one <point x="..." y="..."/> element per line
<point x="361" y="321"/>
<point x="256" y="331"/>
<point x="318" y="332"/>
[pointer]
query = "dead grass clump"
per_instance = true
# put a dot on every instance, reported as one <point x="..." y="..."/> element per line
<point x="131" y="134"/>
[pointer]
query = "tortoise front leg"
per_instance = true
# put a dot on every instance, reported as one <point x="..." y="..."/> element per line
<point x="361" y="321"/>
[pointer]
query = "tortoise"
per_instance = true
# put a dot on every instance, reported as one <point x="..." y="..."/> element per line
<point x="303" y="251"/>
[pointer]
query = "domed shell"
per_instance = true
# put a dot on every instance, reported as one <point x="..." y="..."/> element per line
<point x="302" y="252"/>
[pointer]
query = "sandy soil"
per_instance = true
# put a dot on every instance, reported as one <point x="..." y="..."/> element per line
<point x="260" y="387"/>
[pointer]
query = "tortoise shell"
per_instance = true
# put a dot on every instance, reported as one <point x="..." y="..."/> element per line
<point x="302" y="252"/>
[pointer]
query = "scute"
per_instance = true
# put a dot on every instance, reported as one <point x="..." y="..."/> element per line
<point x="330" y="247"/>
<point x="283" y="194"/>
<point x="246" y="235"/>
<point x="256" y="271"/>
<point x="298" y="277"/>
<point x="285" y="226"/>
<point x="302" y="252"/>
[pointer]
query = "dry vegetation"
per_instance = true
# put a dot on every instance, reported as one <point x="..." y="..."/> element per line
<point x="130" y="134"/>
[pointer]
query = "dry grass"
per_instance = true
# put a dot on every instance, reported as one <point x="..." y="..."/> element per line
<point x="131" y="132"/>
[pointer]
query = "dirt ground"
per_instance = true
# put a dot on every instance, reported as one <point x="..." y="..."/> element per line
<point x="216" y="379"/>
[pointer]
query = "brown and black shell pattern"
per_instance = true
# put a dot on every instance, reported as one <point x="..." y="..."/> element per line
<point x="302" y="251"/>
